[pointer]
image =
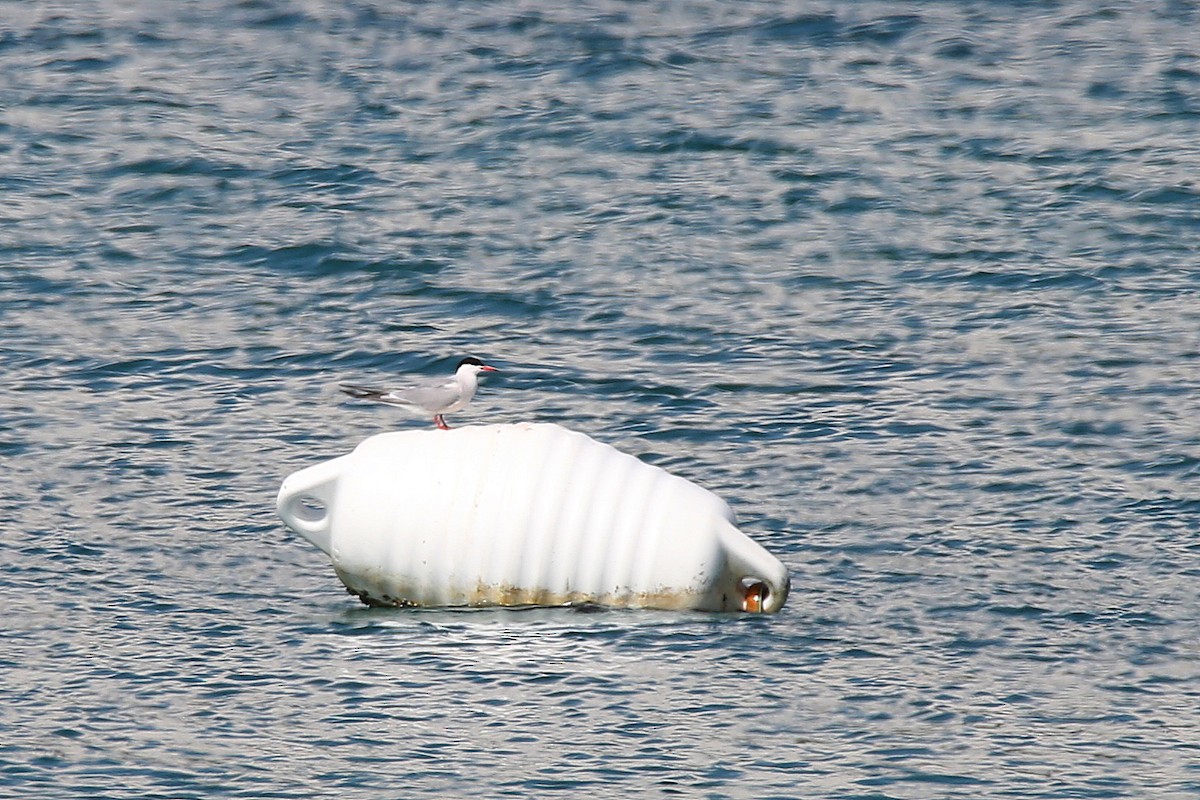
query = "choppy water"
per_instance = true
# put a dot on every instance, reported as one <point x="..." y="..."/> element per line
<point x="914" y="286"/>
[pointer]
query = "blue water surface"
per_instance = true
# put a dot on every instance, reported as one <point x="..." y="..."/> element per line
<point x="914" y="286"/>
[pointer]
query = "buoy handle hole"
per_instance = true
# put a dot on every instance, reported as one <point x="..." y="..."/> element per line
<point x="755" y="594"/>
<point x="309" y="509"/>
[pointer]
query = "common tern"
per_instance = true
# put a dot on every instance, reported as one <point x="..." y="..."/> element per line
<point x="437" y="398"/>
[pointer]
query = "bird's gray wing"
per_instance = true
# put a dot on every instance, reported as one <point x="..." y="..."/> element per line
<point x="362" y="392"/>
<point x="430" y="396"/>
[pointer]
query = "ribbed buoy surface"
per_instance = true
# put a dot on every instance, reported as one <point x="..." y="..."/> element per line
<point x="525" y="514"/>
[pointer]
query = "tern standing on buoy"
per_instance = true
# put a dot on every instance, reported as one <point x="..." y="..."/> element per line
<point x="439" y="398"/>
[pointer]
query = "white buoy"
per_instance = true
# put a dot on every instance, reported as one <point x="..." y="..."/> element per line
<point x="526" y="514"/>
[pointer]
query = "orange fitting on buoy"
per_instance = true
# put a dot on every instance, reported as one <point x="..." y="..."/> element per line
<point x="754" y="596"/>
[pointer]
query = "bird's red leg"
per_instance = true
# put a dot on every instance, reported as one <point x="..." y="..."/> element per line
<point x="441" y="423"/>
